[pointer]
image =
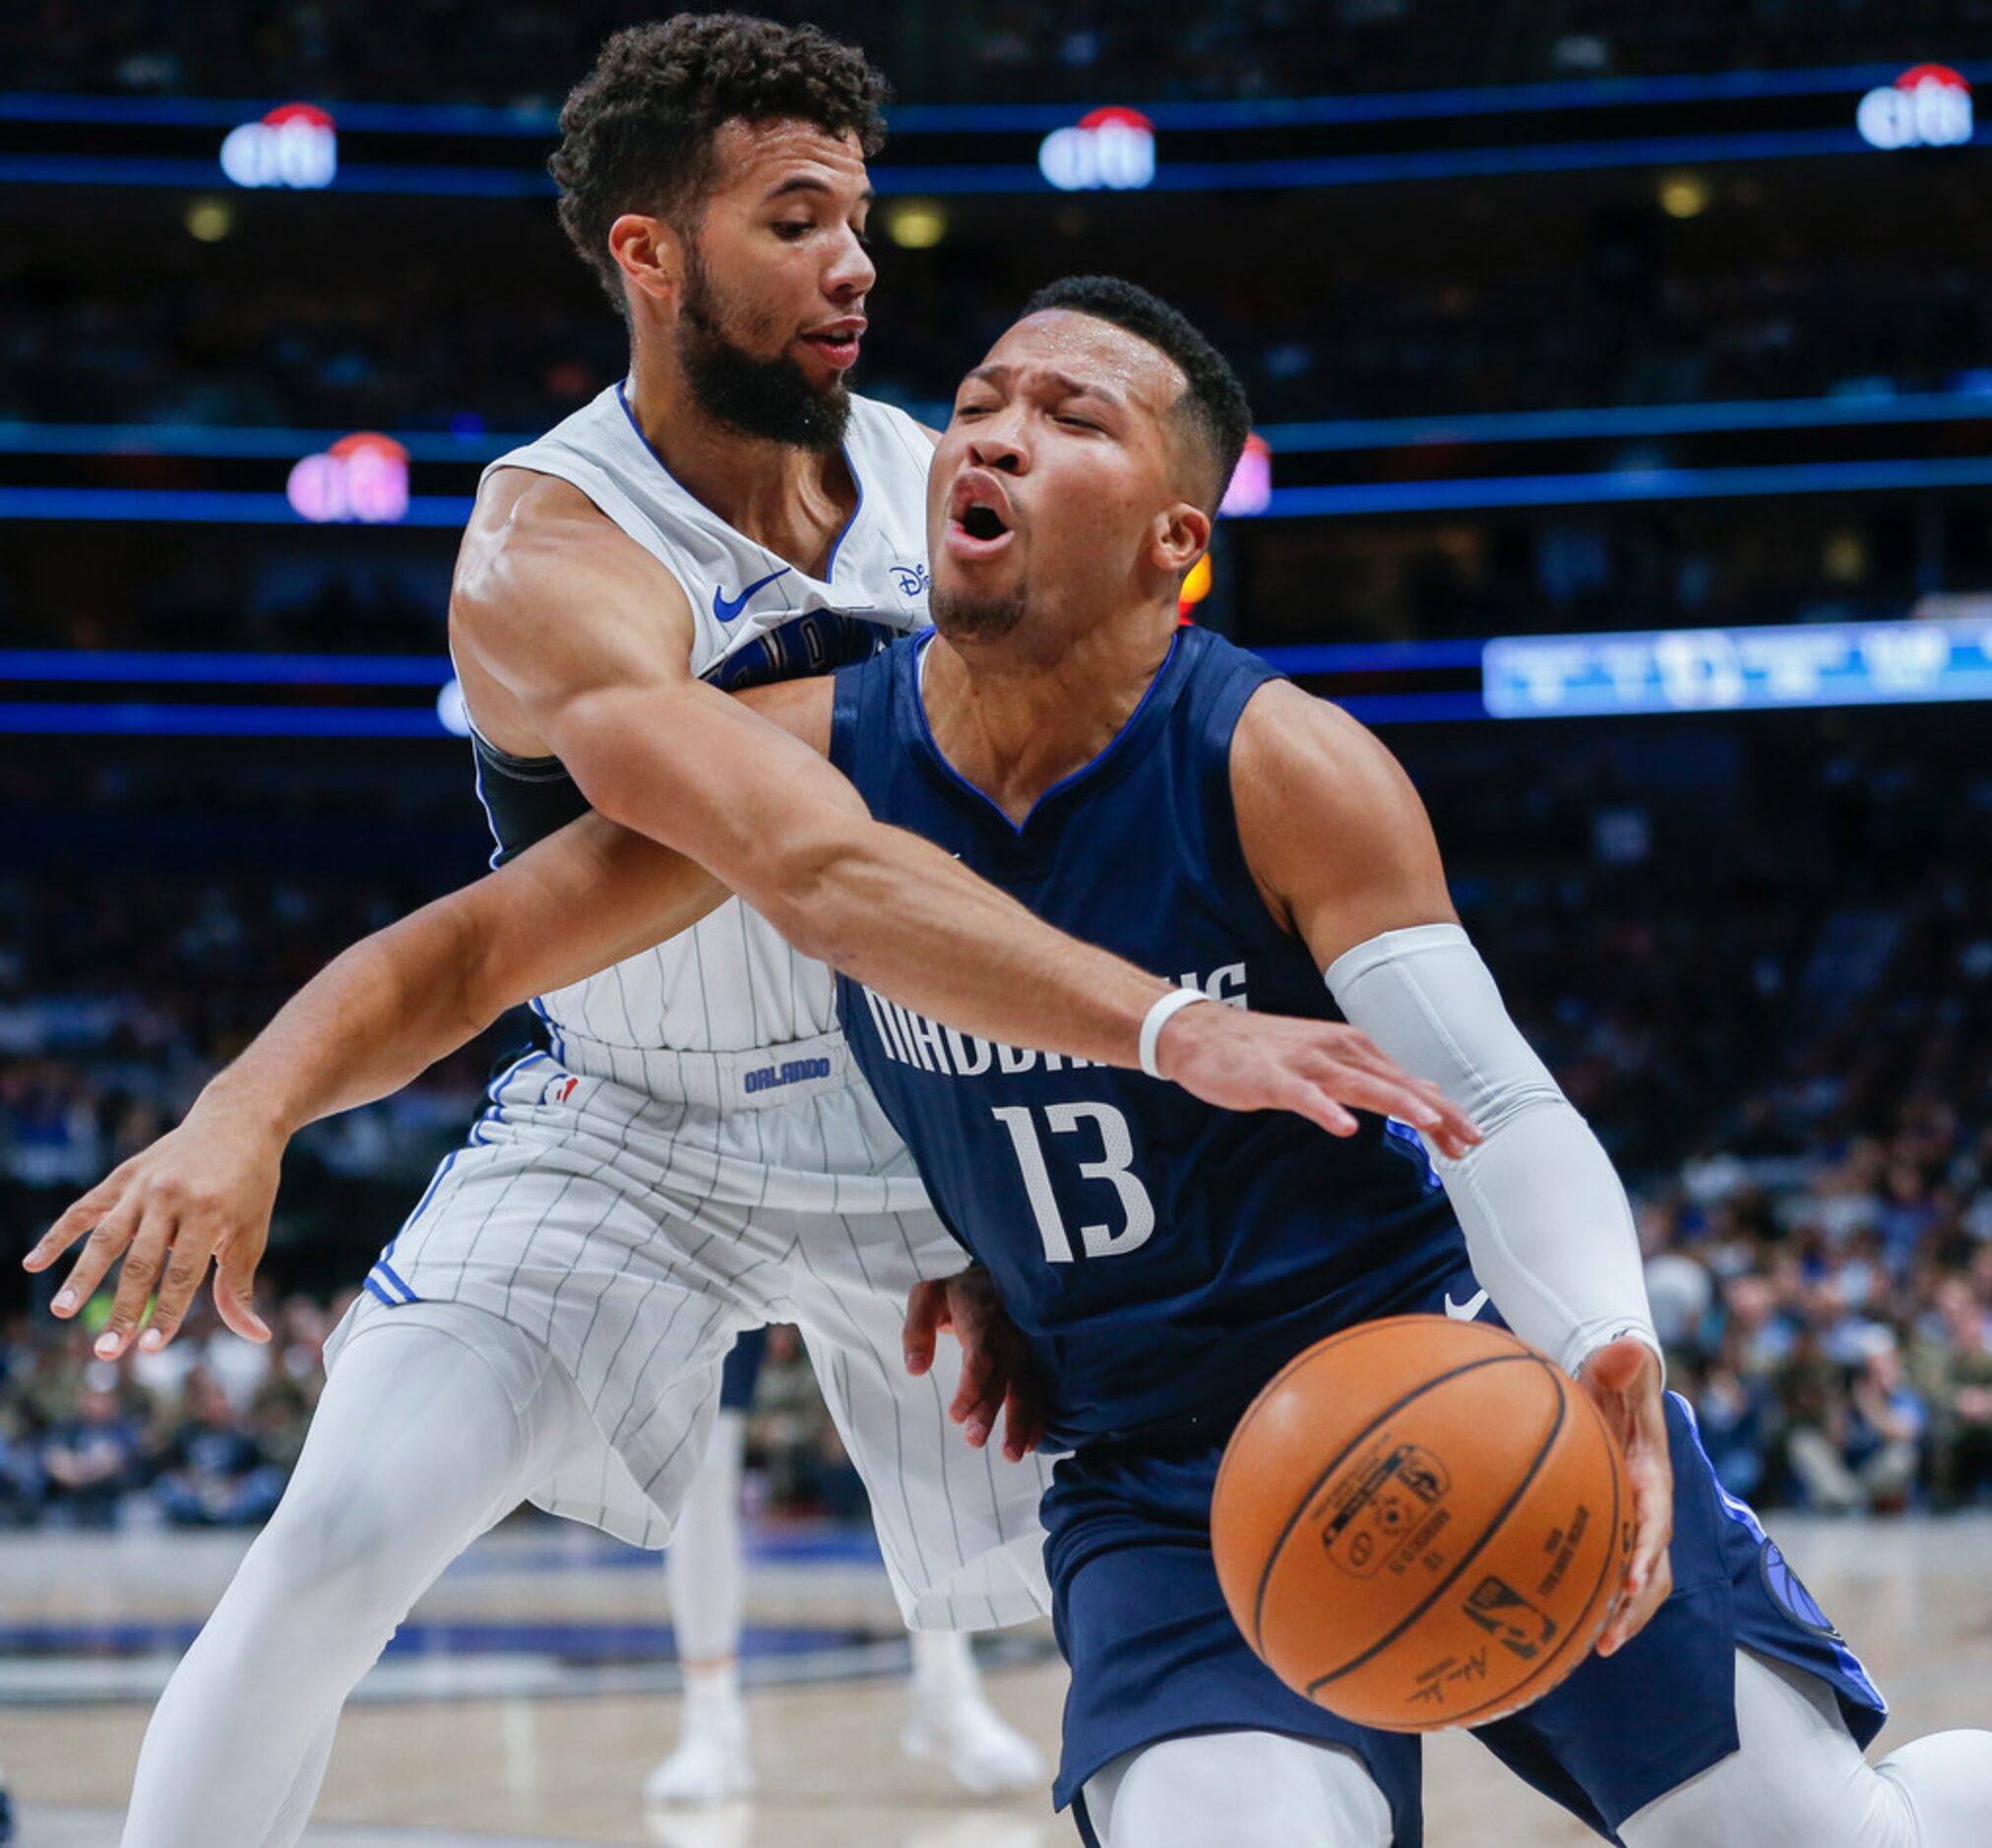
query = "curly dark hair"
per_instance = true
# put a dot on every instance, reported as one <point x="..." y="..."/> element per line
<point x="636" y="133"/>
<point x="1213" y="406"/>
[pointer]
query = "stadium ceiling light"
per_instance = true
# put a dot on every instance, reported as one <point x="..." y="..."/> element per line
<point x="1684" y="194"/>
<point x="916" y="223"/>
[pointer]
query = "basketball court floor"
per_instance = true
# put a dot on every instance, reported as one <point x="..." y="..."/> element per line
<point x="533" y="1690"/>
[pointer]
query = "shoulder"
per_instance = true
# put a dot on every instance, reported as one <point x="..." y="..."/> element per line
<point x="1291" y="746"/>
<point x="1332" y="827"/>
<point x="532" y="534"/>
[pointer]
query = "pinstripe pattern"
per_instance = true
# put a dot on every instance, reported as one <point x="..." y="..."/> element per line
<point x="636" y="1237"/>
<point x="730" y="982"/>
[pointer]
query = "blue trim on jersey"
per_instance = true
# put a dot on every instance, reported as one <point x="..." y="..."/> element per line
<point x="539" y="1007"/>
<point x="428" y="1193"/>
<point x="387" y="1270"/>
<point x="857" y="481"/>
<point x="375" y="1289"/>
<point x="1745" y="1516"/>
<point x="1065" y="783"/>
<point x="490" y="820"/>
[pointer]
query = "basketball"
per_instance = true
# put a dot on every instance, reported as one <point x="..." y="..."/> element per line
<point x="1420" y="1523"/>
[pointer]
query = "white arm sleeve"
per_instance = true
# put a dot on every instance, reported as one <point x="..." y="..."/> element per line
<point x="1548" y="1226"/>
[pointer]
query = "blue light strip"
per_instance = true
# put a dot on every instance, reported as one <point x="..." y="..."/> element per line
<point x="1618" y="421"/>
<point x="248" y="441"/>
<point x="225" y="670"/>
<point x="1626" y="486"/>
<point x="1582" y="423"/>
<point x="209" y="507"/>
<point x="1029" y="118"/>
<point x="1171" y="175"/>
<point x="1608" y="487"/>
<point x="1367" y="657"/>
<point x="141" y="719"/>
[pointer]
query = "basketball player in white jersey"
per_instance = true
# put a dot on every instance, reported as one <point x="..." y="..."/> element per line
<point x="693" y="1156"/>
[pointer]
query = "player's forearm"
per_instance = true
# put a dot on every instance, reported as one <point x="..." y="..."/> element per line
<point x="1548" y="1227"/>
<point x="374" y="1017"/>
<point x="779" y="825"/>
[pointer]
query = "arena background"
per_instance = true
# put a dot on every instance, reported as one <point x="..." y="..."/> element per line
<point x="1623" y="378"/>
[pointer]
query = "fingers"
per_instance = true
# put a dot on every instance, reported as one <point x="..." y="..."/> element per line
<point x="1022" y="1417"/>
<point x="144" y="1260"/>
<point x="76" y="1220"/>
<point x="980" y="1395"/>
<point x="185" y="1267"/>
<point x="1320" y="1107"/>
<point x="234" y="1294"/>
<point x="926" y="1311"/>
<point x="106" y="1242"/>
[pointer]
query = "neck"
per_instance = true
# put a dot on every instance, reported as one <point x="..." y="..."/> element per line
<point x="1018" y="715"/>
<point x="792" y="501"/>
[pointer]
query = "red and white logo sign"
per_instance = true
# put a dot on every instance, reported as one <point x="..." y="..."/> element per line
<point x="294" y="145"/>
<point x="362" y="477"/>
<point x="1112" y="148"/>
<point x="1928" y="107"/>
<point x="1251" y="488"/>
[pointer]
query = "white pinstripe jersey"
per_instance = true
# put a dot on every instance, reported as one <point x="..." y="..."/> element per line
<point x="731" y="983"/>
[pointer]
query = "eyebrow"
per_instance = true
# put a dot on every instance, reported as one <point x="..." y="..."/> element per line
<point x="809" y="183"/>
<point x="1067" y="385"/>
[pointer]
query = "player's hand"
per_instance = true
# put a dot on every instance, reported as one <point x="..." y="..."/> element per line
<point x="997" y="1370"/>
<point x="1320" y="1070"/>
<point x="200" y="1194"/>
<point x="1623" y="1379"/>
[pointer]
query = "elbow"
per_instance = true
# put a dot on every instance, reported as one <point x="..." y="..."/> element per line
<point x="808" y="891"/>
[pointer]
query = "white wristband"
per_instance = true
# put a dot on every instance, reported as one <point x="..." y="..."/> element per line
<point x="1165" y="1009"/>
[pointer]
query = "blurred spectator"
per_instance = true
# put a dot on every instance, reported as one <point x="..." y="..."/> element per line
<point x="92" y="1458"/>
<point x="213" y="1472"/>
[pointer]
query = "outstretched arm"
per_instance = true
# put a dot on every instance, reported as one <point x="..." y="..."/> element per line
<point x="373" y="1019"/>
<point x="1343" y="851"/>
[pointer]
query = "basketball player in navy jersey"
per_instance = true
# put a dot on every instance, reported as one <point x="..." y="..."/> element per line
<point x="1162" y="792"/>
<point x="692" y="1154"/>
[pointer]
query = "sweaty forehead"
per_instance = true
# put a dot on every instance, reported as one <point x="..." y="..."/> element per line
<point x="1093" y="352"/>
<point x="754" y="157"/>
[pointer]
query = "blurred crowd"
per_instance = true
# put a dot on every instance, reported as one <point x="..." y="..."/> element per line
<point x="982" y="51"/>
<point x="1365" y="340"/>
<point x="1758" y="959"/>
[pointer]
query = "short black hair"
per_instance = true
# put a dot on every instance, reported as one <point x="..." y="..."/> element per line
<point x="1214" y="404"/>
<point x="636" y="133"/>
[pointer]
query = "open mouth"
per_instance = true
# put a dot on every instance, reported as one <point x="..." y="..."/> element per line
<point x="983" y="523"/>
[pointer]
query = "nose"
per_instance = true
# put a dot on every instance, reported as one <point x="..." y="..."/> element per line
<point x="998" y="445"/>
<point x="851" y="274"/>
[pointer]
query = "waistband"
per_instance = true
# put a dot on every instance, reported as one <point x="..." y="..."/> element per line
<point x="756" y="1078"/>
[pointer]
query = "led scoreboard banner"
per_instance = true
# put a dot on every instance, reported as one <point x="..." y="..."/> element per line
<point x="1739" y="670"/>
<point x="320" y="145"/>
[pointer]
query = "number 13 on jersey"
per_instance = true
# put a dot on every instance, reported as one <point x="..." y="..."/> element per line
<point x="1112" y="1165"/>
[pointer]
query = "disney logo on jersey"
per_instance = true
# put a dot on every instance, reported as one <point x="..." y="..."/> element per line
<point x="913" y="1039"/>
<point x="911" y="577"/>
<point x="725" y="607"/>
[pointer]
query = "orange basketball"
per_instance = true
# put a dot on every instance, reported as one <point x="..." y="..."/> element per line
<point x="1421" y="1523"/>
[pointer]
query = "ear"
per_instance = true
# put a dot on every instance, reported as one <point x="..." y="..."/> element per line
<point x="650" y="255"/>
<point x="1181" y="536"/>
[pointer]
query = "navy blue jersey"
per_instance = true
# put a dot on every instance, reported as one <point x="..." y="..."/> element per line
<point x="1164" y="1258"/>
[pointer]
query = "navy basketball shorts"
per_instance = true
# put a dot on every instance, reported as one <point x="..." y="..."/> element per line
<point x="743" y="1371"/>
<point x="1155" y="1653"/>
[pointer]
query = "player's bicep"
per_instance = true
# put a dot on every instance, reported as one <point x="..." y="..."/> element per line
<point x="554" y="602"/>
<point x="1332" y="829"/>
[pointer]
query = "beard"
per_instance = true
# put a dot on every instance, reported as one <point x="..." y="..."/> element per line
<point x="769" y="399"/>
<point x="962" y="616"/>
